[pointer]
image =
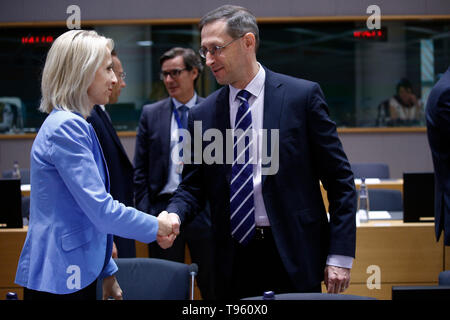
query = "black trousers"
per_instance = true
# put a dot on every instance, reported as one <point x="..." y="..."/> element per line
<point x="258" y="268"/>
<point x="87" y="293"/>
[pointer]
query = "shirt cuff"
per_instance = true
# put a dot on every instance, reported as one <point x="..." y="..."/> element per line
<point x="110" y="269"/>
<point x="340" y="261"/>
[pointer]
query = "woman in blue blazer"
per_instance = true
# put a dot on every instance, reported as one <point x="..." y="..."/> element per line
<point x="72" y="215"/>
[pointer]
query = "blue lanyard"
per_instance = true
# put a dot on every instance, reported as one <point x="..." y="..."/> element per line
<point x="177" y="118"/>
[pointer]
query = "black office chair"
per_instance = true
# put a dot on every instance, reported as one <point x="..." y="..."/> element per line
<point x="314" y="296"/>
<point x="24" y="179"/>
<point x="385" y="200"/>
<point x="444" y="278"/>
<point x="370" y="170"/>
<point x="153" y="279"/>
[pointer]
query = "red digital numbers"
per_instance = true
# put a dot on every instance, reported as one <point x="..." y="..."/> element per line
<point x="37" y="39"/>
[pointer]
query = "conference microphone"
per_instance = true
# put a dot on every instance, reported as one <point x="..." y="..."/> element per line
<point x="193" y="270"/>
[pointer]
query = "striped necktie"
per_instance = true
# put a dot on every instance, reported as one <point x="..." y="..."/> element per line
<point x="242" y="206"/>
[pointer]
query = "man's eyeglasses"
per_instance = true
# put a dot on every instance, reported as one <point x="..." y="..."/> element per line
<point x="203" y="51"/>
<point x="175" y="73"/>
<point x="122" y="75"/>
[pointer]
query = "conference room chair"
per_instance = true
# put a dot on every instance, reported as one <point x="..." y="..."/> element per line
<point x="152" y="279"/>
<point x="370" y="170"/>
<point x="314" y="296"/>
<point x="385" y="200"/>
<point x="444" y="278"/>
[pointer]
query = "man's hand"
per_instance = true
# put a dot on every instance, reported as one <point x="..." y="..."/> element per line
<point x="336" y="279"/>
<point x="166" y="238"/>
<point x="111" y="288"/>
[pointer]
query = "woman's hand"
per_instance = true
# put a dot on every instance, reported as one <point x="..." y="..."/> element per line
<point x="111" y="288"/>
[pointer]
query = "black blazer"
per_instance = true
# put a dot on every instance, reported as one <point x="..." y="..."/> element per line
<point x="120" y="171"/>
<point x="120" y="168"/>
<point x="309" y="151"/>
<point x="151" y="158"/>
<point x="438" y="131"/>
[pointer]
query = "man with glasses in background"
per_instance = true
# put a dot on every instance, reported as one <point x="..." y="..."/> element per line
<point x="119" y="165"/>
<point x="157" y="175"/>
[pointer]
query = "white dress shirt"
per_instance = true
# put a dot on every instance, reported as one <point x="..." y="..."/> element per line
<point x="173" y="177"/>
<point x="256" y="102"/>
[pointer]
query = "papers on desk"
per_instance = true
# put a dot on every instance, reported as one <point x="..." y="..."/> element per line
<point x="368" y="181"/>
<point x="379" y="215"/>
<point x="25" y="187"/>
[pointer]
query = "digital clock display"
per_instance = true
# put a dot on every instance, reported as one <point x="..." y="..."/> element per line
<point x="30" y="40"/>
<point x="377" y="34"/>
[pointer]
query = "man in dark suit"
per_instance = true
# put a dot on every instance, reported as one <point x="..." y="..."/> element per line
<point x="270" y="226"/>
<point x="120" y="168"/>
<point x="157" y="173"/>
<point x="438" y="131"/>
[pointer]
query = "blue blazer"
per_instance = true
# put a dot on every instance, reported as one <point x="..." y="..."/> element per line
<point x="438" y="131"/>
<point x="309" y="152"/>
<point x="71" y="212"/>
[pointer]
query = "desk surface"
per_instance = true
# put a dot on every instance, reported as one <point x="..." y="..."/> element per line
<point x="405" y="253"/>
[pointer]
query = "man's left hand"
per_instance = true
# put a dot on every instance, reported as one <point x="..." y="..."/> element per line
<point x="336" y="279"/>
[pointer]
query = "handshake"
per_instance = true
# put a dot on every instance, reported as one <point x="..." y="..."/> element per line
<point x="168" y="229"/>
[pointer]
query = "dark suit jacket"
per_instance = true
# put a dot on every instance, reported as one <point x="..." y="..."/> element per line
<point x="309" y="151"/>
<point x="151" y="158"/>
<point x="120" y="170"/>
<point x="438" y="131"/>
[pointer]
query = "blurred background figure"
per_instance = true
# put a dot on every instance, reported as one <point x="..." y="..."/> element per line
<point x="157" y="176"/>
<point x="405" y="107"/>
<point x="438" y="131"/>
<point x="120" y="168"/>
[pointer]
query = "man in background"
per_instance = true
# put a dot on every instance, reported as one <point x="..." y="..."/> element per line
<point x="157" y="175"/>
<point x="438" y="131"/>
<point x="120" y="168"/>
<point x="405" y="107"/>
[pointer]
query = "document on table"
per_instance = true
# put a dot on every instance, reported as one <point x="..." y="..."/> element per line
<point x="379" y="215"/>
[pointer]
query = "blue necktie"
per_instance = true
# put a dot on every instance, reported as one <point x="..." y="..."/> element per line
<point x="183" y="113"/>
<point x="242" y="206"/>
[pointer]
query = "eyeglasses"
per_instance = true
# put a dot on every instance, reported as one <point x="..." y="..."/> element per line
<point x="203" y="51"/>
<point x="175" y="73"/>
<point x="122" y="75"/>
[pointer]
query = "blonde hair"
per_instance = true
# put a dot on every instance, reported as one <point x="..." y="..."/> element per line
<point x="70" y="69"/>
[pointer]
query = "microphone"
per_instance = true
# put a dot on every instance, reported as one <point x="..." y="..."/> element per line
<point x="193" y="270"/>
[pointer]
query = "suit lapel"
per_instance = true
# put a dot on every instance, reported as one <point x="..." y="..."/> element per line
<point x="273" y="104"/>
<point x="112" y="132"/>
<point x="223" y="123"/>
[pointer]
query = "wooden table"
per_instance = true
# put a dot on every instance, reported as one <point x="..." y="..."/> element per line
<point x="399" y="253"/>
<point x="404" y="253"/>
<point x="11" y="242"/>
